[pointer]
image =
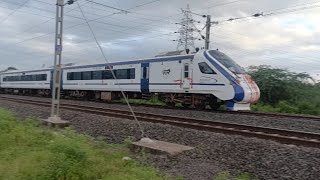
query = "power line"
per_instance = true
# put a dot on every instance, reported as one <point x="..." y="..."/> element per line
<point x="10" y="14"/>
<point x="142" y="16"/>
<point x="252" y="52"/>
<point x="44" y="22"/>
<point x="111" y="7"/>
<point x="310" y="57"/>
<point x="114" y="76"/>
<point x="70" y="27"/>
<point x="45" y="10"/>
<point x="271" y="13"/>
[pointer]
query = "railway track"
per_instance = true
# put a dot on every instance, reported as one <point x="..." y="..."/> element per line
<point x="241" y="113"/>
<point x="279" y="135"/>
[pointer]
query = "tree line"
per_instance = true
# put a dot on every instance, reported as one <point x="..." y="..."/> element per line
<point x="285" y="91"/>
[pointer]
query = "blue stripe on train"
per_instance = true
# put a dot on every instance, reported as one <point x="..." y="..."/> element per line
<point x="239" y="92"/>
<point x="155" y="84"/>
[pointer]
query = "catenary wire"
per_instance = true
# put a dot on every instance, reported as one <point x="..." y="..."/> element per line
<point x="105" y="58"/>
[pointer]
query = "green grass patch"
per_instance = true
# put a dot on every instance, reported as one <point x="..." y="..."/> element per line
<point x="152" y="101"/>
<point x="286" y="107"/>
<point x="28" y="151"/>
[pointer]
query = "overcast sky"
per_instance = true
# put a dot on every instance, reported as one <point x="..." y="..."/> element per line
<point x="288" y="40"/>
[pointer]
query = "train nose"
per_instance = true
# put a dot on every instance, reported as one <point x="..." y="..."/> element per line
<point x="251" y="89"/>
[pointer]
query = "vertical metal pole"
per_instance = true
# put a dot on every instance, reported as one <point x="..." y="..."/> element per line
<point x="57" y="61"/>
<point x="208" y="26"/>
<point x="187" y="29"/>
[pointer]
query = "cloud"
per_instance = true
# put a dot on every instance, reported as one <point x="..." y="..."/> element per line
<point x="284" y="40"/>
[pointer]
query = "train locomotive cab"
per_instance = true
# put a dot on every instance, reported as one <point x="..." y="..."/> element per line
<point x="240" y="89"/>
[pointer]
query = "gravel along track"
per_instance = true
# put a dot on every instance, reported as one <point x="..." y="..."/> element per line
<point x="214" y="152"/>
<point x="297" y="124"/>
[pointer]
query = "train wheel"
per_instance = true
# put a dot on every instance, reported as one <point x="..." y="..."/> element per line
<point x="215" y="106"/>
<point x="171" y="104"/>
<point x="185" y="105"/>
<point x="200" y="106"/>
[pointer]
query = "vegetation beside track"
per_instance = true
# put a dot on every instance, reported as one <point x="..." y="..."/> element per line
<point x="153" y="101"/>
<point x="28" y="151"/>
<point x="285" y="91"/>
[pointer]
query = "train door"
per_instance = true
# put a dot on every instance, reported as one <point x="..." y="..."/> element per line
<point x="186" y="76"/>
<point x="145" y="68"/>
<point x="51" y="80"/>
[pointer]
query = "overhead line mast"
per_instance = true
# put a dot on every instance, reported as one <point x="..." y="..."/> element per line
<point x="56" y="78"/>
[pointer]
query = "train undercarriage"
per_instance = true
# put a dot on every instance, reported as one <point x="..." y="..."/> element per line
<point x="195" y="101"/>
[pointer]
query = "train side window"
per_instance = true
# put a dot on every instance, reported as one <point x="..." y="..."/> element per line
<point x="77" y="76"/>
<point x="121" y="73"/>
<point x="44" y="77"/>
<point x="86" y="75"/>
<point x="97" y="75"/>
<point x="205" y="68"/>
<point x="70" y="76"/>
<point x="132" y="73"/>
<point x="38" y="77"/>
<point x="186" y="70"/>
<point x="30" y="77"/>
<point x="107" y="74"/>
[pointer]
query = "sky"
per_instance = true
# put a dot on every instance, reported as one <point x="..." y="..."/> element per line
<point x="286" y="37"/>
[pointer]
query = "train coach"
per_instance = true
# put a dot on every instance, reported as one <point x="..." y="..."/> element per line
<point x="26" y="82"/>
<point x="197" y="80"/>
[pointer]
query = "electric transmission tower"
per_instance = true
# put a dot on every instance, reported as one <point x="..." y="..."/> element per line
<point x="186" y="38"/>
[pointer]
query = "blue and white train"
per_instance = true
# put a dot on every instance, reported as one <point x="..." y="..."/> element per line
<point x="196" y="80"/>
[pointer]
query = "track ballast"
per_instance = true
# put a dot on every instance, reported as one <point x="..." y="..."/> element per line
<point x="279" y="135"/>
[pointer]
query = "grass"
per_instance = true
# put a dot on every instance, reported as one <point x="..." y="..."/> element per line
<point x="153" y="101"/>
<point x="28" y="151"/>
<point x="286" y="107"/>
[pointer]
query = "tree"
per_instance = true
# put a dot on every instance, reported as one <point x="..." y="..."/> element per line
<point x="285" y="91"/>
<point x="278" y="84"/>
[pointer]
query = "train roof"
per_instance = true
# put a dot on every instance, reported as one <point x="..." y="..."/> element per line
<point x="26" y="71"/>
<point x="136" y="61"/>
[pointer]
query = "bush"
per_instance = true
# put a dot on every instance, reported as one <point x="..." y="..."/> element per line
<point x="264" y="108"/>
<point x="285" y="107"/>
<point x="307" y="108"/>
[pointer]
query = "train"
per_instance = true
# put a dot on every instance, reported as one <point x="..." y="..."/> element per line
<point x="197" y="80"/>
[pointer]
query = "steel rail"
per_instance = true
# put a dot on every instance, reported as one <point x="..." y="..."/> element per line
<point x="279" y="135"/>
<point x="241" y="113"/>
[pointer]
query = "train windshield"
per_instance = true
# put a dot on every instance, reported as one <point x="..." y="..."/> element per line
<point x="227" y="62"/>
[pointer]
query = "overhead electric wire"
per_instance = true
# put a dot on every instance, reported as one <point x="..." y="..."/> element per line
<point x="303" y="4"/>
<point x="283" y="11"/>
<point x="279" y="50"/>
<point x="114" y="76"/>
<point x="44" y="22"/>
<point x="256" y="52"/>
<point x="267" y="47"/>
<point x="271" y="13"/>
<point x="25" y="12"/>
<point x="139" y="14"/>
<point x="111" y="7"/>
<point x="45" y="10"/>
<point x="73" y="26"/>
<point x="14" y="11"/>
